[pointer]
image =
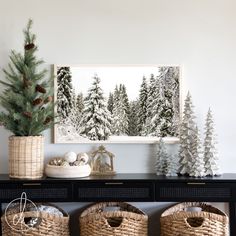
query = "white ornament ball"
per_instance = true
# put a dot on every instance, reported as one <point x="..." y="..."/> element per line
<point x="83" y="158"/>
<point x="70" y="157"/>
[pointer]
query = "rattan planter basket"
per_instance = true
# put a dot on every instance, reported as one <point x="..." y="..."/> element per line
<point x="49" y="224"/>
<point x="178" y="220"/>
<point x="125" y="220"/>
<point x="26" y="157"/>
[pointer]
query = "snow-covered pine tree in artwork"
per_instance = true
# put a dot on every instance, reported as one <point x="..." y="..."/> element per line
<point x="142" y="113"/>
<point x="172" y="85"/>
<point x="110" y="103"/>
<point x="197" y="167"/>
<point x="165" y="111"/>
<point x="163" y="103"/>
<point x="96" y="120"/>
<point x="80" y="102"/>
<point x="125" y="99"/>
<point x="120" y="125"/>
<point x="210" y="151"/>
<point x="186" y="137"/>
<point x="161" y="158"/>
<point x="152" y="94"/>
<point x="158" y="104"/>
<point x="64" y="93"/>
<point x="133" y="118"/>
<point x="72" y="119"/>
<point x="79" y="106"/>
<point x="152" y="89"/>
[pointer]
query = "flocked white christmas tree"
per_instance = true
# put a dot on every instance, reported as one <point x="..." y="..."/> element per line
<point x="197" y="168"/>
<point x="187" y="136"/>
<point x="161" y="160"/>
<point x="171" y="167"/>
<point x="210" y="151"/>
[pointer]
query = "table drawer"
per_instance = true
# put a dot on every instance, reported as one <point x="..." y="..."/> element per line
<point x="192" y="192"/>
<point x="114" y="191"/>
<point x="36" y="191"/>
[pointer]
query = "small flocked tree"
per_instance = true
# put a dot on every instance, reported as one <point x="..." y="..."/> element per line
<point x="161" y="158"/>
<point x="171" y="168"/>
<point x="96" y="120"/>
<point x="196" y="168"/>
<point x="27" y="98"/>
<point x="187" y="136"/>
<point x="210" y="151"/>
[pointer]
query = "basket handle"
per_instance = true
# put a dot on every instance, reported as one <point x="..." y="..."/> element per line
<point x="191" y="221"/>
<point x="114" y="222"/>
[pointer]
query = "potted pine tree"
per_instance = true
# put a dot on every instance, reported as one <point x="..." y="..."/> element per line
<point x="28" y="109"/>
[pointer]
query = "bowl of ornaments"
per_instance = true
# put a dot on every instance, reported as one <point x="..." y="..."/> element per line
<point x="69" y="166"/>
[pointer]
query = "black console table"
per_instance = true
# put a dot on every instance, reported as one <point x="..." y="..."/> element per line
<point x="125" y="187"/>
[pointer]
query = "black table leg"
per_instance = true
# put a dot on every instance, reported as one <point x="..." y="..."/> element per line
<point x="232" y="218"/>
<point x="0" y="219"/>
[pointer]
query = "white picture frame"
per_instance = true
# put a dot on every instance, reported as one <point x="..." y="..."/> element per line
<point x="70" y="128"/>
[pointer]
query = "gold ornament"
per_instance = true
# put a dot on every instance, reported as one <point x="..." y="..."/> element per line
<point x="56" y="161"/>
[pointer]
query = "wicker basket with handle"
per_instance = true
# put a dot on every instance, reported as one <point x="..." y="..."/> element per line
<point x="47" y="224"/>
<point x="26" y="157"/>
<point x="181" y="220"/>
<point x="124" y="220"/>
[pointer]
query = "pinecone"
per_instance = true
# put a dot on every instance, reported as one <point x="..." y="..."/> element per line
<point x="40" y="89"/>
<point x="47" y="120"/>
<point x="29" y="46"/>
<point x="27" y="114"/>
<point x="48" y="99"/>
<point x="37" y="101"/>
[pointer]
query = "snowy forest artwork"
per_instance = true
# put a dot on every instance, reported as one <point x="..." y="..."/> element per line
<point x="118" y="104"/>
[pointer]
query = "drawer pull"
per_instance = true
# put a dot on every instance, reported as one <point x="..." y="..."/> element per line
<point x="196" y="183"/>
<point x="31" y="184"/>
<point x="114" y="183"/>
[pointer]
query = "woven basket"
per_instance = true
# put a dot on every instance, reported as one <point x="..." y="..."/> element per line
<point x="26" y="157"/>
<point x="179" y="220"/>
<point x="48" y="224"/>
<point x="125" y="220"/>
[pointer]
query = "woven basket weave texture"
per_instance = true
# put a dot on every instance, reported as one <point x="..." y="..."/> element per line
<point x="126" y="220"/>
<point x="177" y="221"/>
<point x="26" y="157"/>
<point x="49" y="224"/>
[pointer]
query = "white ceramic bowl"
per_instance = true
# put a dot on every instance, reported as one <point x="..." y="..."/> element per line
<point x="67" y="171"/>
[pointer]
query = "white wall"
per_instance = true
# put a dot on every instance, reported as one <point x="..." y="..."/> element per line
<point x="198" y="34"/>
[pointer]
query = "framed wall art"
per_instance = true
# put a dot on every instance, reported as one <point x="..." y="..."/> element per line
<point x="116" y="104"/>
